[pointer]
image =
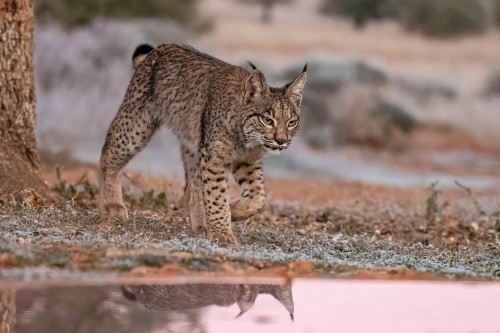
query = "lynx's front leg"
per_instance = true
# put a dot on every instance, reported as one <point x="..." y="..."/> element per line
<point x="216" y="199"/>
<point x="250" y="177"/>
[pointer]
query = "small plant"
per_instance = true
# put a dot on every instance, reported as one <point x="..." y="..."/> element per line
<point x="201" y="263"/>
<point x="160" y="199"/>
<point x="82" y="189"/>
<point x="431" y="204"/>
<point x="22" y="261"/>
<point x="150" y="199"/>
<point x="455" y="258"/>
<point x="152" y="260"/>
<point x="324" y="217"/>
<point x="490" y="246"/>
<point x="59" y="261"/>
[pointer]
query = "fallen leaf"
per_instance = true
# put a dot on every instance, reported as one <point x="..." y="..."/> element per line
<point x="6" y="260"/>
<point x="182" y="255"/>
<point x="260" y="265"/>
<point x="144" y="270"/>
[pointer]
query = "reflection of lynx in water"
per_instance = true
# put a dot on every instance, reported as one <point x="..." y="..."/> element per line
<point x="192" y="296"/>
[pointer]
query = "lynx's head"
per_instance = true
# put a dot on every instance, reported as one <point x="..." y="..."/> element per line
<point x="246" y="294"/>
<point x="272" y="115"/>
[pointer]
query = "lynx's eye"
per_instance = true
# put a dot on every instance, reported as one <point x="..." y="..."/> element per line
<point x="267" y="121"/>
<point x="292" y="123"/>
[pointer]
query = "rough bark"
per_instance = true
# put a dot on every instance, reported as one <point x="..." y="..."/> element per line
<point x="19" y="159"/>
<point x="7" y="310"/>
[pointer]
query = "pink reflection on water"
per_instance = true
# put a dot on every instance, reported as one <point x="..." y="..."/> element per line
<point x="370" y="306"/>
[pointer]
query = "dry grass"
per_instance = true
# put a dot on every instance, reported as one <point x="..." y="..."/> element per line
<point x="459" y="238"/>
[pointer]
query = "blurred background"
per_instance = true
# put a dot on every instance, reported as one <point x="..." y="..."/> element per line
<point x="399" y="92"/>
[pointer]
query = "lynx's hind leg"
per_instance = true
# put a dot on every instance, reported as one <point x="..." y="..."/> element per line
<point x="128" y="134"/>
<point x="190" y="162"/>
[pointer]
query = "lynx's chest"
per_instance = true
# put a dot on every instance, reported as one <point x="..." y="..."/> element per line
<point x="250" y="153"/>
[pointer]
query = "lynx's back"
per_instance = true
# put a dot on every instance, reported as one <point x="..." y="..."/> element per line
<point x="178" y="82"/>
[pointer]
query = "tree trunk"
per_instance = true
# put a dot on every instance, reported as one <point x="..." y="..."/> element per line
<point x="7" y="310"/>
<point x="18" y="155"/>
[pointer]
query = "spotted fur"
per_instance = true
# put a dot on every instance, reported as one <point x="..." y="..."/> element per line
<point x="225" y="118"/>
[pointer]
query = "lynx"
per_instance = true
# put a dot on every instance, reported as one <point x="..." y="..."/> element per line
<point x="194" y="296"/>
<point x="225" y="118"/>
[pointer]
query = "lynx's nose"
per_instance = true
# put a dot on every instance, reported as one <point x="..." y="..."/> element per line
<point x="281" y="141"/>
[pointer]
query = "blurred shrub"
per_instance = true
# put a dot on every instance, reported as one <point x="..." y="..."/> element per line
<point x="362" y="11"/>
<point x="496" y="4"/>
<point x="446" y="18"/>
<point x="74" y="13"/>
<point x="267" y="7"/>
<point x="493" y="85"/>
<point x="435" y="18"/>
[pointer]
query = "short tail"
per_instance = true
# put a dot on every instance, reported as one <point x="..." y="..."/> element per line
<point x="140" y="54"/>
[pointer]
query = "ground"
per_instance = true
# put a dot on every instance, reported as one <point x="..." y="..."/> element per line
<point x="309" y="227"/>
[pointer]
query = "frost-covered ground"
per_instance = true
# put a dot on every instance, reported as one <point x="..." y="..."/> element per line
<point x="454" y="235"/>
<point x="57" y="239"/>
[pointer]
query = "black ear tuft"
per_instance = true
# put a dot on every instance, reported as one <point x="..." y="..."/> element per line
<point x="252" y="65"/>
<point x="305" y="68"/>
<point x="141" y="50"/>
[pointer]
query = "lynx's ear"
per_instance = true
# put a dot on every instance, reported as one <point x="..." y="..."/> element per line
<point x="284" y="295"/>
<point x="255" y="86"/>
<point x="295" y="89"/>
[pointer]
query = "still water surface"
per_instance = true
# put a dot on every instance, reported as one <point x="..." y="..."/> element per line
<point x="305" y="305"/>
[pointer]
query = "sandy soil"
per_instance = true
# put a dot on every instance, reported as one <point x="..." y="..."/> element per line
<point x="317" y="193"/>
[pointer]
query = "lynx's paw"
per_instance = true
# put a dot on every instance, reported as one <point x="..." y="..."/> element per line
<point x="226" y="239"/>
<point x="200" y="231"/>
<point x="113" y="211"/>
<point x="243" y="208"/>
